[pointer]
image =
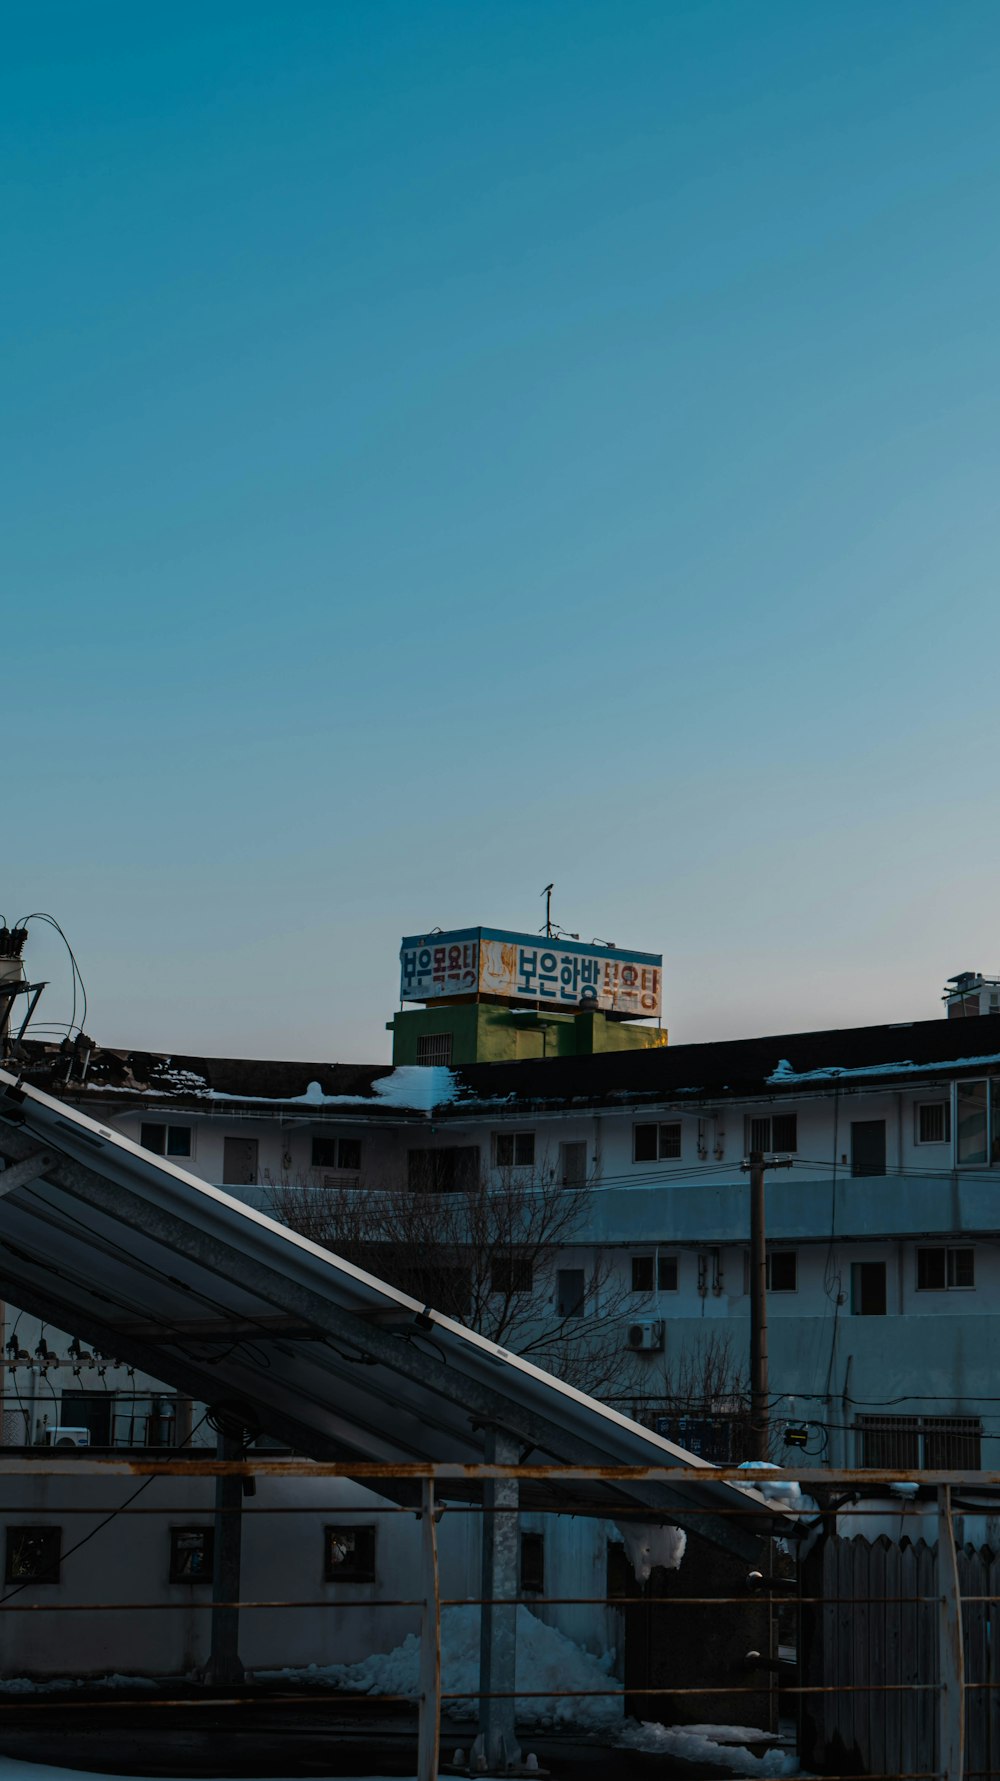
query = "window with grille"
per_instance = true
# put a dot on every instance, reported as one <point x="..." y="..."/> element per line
<point x="434" y="1048"/>
<point x="907" y="1443"/>
<point x="514" y="1150"/>
<point x="656" y="1143"/>
<point x="933" y="1122"/>
<point x="773" y="1132"/>
<point x="939" y="1270"/>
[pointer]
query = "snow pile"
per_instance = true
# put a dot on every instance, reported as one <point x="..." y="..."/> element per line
<point x="419" y="1087"/>
<point x="724" y="1746"/>
<point x="783" y="1071"/>
<point x="781" y="1493"/>
<point x="546" y="1659"/>
<point x="648" y="1546"/>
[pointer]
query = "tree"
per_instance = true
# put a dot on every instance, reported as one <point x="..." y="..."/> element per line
<point x="507" y="1256"/>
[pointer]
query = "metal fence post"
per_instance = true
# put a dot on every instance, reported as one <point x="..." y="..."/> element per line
<point x="951" y="1657"/>
<point x="496" y="1747"/>
<point x="429" y="1736"/>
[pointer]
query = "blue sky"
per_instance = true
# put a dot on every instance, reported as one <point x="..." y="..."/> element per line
<point x="450" y="447"/>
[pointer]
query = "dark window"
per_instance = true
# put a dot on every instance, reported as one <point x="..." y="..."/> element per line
<point x="656" y="1143"/>
<point x="571" y="1292"/>
<point x="33" y="1554"/>
<point x="952" y="1442"/>
<point x="89" y="1410"/>
<point x="868" y="1147"/>
<point x="349" y="1554"/>
<point x="933" y="1122"/>
<point x="443" y="1171"/>
<point x="667" y="1273"/>
<point x="939" y="1269"/>
<point x="514" y="1150"/>
<point x="888" y="1443"/>
<point x="781" y="1271"/>
<point x="434" y="1048"/>
<point x="532" y="1564"/>
<point x="336" y="1153"/>
<point x="512" y="1273"/>
<point x="191" y="1554"/>
<point x="772" y="1132"/>
<point x="642" y="1273"/>
<point x="868" y="1296"/>
<point x="166" y="1140"/>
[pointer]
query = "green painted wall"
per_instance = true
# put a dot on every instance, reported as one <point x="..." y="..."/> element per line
<point x="488" y="1033"/>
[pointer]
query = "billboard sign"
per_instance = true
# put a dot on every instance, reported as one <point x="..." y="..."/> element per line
<point x="531" y="969"/>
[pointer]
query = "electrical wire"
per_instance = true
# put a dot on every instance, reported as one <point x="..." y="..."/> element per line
<point x="76" y="974"/>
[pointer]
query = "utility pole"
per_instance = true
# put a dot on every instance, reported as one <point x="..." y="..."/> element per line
<point x="760" y="1390"/>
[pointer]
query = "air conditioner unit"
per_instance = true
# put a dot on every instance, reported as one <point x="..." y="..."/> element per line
<point x="647" y="1335"/>
<point x="62" y="1437"/>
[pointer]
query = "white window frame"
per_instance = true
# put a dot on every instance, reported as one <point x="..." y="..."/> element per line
<point x="945" y="1105"/>
<point x="949" y="1251"/>
<point x="169" y="1125"/>
<point x="770" y="1148"/>
<point x="660" y="1126"/>
<point x="514" y="1136"/>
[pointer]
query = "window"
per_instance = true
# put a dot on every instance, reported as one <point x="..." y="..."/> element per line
<point x="782" y="1270"/>
<point x="532" y="1564"/>
<point x="571" y="1292"/>
<point x="336" y="1153"/>
<point x="443" y="1171"/>
<point x="939" y="1269"/>
<point x="512" y="1273"/>
<point x="514" y="1150"/>
<point x="192" y="1550"/>
<point x="434" y="1048"/>
<point x="933" y="1122"/>
<point x="349" y="1554"/>
<point x="91" y="1411"/>
<point x="904" y="1443"/>
<point x="977" y="1120"/>
<point x="33" y="1554"/>
<point x="656" y="1143"/>
<point x="773" y="1132"/>
<point x="166" y="1140"/>
<point x="644" y="1273"/>
<point x="868" y="1292"/>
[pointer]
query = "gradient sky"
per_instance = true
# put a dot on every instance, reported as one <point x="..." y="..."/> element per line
<point x="450" y="447"/>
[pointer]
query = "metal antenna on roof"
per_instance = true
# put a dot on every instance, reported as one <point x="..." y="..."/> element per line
<point x="547" y="894"/>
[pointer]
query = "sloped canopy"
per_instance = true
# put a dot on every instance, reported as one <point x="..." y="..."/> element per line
<point x="156" y="1267"/>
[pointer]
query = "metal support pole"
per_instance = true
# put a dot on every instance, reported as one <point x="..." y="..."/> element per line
<point x="496" y="1745"/>
<point x="429" y="1738"/>
<point x="951" y="1654"/>
<point x="759" y="1389"/>
<point x="224" y="1664"/>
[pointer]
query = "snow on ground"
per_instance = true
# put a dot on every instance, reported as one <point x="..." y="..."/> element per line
<point x="61" y="1684"/>
<point x="724" y="1746"/>
<point x="546" y="1660"/>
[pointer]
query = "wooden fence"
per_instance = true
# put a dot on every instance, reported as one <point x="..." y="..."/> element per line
<point x="874" y="1640"/>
